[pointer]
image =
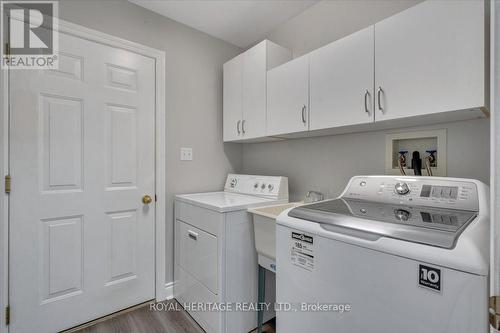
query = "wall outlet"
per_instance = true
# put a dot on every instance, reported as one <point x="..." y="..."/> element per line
<point x="186" y="154"/>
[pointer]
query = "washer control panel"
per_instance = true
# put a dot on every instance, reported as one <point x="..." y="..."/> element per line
<point x="263" y="186"/>
<point x="435" y="218"/>
<point x="418" y="191"/>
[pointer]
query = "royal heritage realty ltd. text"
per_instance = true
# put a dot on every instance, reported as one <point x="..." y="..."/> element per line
<point x="251" y="306"/>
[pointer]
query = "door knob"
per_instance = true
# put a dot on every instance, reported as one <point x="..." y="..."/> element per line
<point x="147" y="200"/>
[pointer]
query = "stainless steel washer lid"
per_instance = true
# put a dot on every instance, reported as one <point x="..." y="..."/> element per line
<point x="433" y="226"/>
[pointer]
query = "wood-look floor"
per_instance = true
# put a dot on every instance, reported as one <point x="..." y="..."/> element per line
<point x="144" y="320"/>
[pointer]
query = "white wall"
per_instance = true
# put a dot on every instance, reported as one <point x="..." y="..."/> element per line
<point x="327" y="163"/>
<point x="193" y="94"/>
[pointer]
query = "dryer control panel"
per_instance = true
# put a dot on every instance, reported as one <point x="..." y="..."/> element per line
<point x="263" y="186"/>
<point x="415" y="191"/>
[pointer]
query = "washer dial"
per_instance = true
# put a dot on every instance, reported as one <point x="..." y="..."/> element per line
<point x="402" y="188"/>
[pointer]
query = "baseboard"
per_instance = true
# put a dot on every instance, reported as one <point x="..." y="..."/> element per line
<point x="166" y="292"/>
<point x="169" y="289"/>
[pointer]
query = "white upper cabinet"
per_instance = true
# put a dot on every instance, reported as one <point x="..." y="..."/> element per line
<point x="341" y="82"/>
<point x="430" y="59"/>
<point x="244" y="92"/>
<point x="232" y="101"/>
<point x="288" y="97"/>
<point x="424" y="65"/>
<point x="254" y="91"/>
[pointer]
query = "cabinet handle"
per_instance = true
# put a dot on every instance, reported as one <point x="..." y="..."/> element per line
<point x="367" y="94"/>
<point x="193" y="235"/>
<point x="303" y="114"/>
<point x="243" y="126"/>
<point x="238" y="126"/>
<point x="379" y="92"/>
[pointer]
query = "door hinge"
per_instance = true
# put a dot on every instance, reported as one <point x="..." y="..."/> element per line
<point x="7" y="49"/>
<point x="7" y="315"/>
<point x="495" y="312"/>
<point x="7" y="183"/>
<point x="156" y="198"/>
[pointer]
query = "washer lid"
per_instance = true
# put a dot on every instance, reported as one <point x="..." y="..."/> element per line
<point x="432" y="226"/>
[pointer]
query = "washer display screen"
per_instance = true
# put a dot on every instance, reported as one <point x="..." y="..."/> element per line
<point x="445" y="192"/>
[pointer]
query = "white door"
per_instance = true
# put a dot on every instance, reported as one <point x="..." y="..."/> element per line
<point x="429" y="59"/>
<point x="288" y="97"/>
<point x="254" y="91"/>
<point x="232" y="99"/>
<point x="341" y="82"/>
<point x="82" y="157"/>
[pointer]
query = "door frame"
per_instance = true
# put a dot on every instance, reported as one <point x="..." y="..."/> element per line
<point x="163" y="290"/>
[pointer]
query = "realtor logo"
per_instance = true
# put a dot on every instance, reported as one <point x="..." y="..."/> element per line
<point x="29" y="34"/>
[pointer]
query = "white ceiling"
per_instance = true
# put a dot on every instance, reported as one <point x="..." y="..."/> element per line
<point x="239" y="22"/>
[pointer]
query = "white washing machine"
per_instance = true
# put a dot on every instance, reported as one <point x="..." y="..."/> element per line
<point x="390" y="255"/>
<point x="215" y="257"/>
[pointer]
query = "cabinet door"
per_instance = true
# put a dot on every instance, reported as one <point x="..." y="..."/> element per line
<point x="341" y="82"/>
<point x="254" y="92"/>
<point x="232" y="98"/>
<point x="288" y="97"/>
<point x="430" y="59"/>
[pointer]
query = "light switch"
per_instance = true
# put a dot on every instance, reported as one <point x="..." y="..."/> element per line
<point x="186" y="154"/>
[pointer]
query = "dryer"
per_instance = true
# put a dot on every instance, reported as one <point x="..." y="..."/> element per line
<point x="216" y="269"/>
<point x="391" y="254"/>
